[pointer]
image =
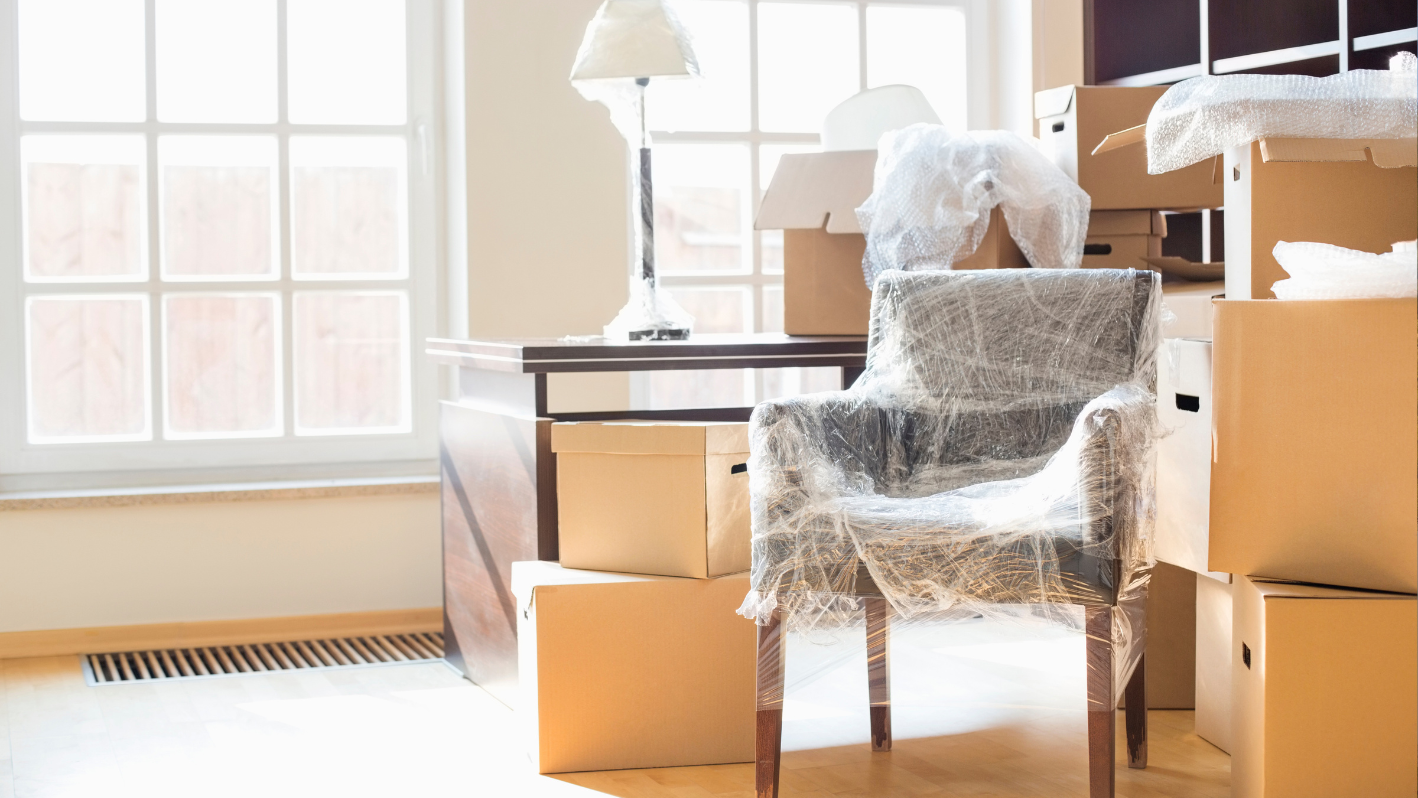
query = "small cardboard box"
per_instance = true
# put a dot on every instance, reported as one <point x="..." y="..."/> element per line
<point x="1360" y="194"/>
<point x="1325" y="689"/>
<point x="813" y="199"/>
<point x="1190" y="306"/>
<point x="1073" y="120"/>
<point x="1213" y="661"/>
<point x="1123" y="239"/>
<point x="1314" y="473"/>
<point x="627" y="671"/>
<point x="665" y="498"/>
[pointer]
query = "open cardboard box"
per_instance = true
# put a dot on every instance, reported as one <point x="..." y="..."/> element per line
<point x="1356" y="193"/>
<point x="813" y="199"/>
<point x="628" y="671"/>
<point x="1123" y="239"/>
<point x="1073" y="120"/>
<point x="1324" y="690"/>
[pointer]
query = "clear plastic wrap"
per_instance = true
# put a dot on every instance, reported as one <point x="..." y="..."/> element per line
<point x="932" y="194"/>
<point x="1324" y="271"/>
<point x="995" y="459"/>
<point x="1203" y="117"/>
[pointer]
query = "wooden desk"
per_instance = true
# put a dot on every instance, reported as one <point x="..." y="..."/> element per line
<point x="499" y="474"/>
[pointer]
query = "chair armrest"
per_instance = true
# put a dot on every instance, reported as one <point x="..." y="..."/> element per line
<point x="1116" y="483"/>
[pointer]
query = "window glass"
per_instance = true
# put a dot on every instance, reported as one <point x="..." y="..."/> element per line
<point x="88" y="368"/>
<point x="216" y="60"/>
<point x="218" y="199"/>
<point x="220" y="359"/>
<point x="83" y="208"/>
<point x="807" y="63"/>
<point x="345" y="61"/>
<point x="770" y="245"/>
<point x="349" y="204"/>
<point x="351" y="361"/>
<point x="82" y="60"/>
<point x="920" y="46"/>
<point x="718" y="100"/>
<point x="701" y="208"/>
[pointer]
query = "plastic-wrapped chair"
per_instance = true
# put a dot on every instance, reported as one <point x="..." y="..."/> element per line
<point x="995" y="452"/>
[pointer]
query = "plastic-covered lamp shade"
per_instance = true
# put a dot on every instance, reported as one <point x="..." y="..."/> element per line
<point x="634" y="39"/>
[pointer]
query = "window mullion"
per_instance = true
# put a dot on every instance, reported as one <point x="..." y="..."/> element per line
<point x="157" y="405"/>
<point x="286" y="366"/>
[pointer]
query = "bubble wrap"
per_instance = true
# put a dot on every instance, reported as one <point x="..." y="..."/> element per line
<point x="1203" y="117"/>
<point x="932" y="194"/>
<point x="997" y="452"/>
<point x="1324" y="271"/>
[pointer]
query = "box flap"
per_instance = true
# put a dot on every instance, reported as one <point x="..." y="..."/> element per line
<point x="1388" y="153"/>
<point x="1189" y="269"/>
<point x="650" y="437"/>
<point x="1275" y="588"/>
<point x="1052" y="102"/>
<point x="813" y="190"/>
<point x="1123" y="138"/>
<point x="1125" y="223"/>
<point x="528" y="576"/>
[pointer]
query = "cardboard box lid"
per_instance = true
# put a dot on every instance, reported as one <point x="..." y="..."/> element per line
<point x="529" y="575"/>
<point x="813" y="190"/>
<point x="1052" y="102"/>
<point x="1387" y="153"/>
<point x="650" y="437"/>
<point x="1127" y="223"/>
<point x="1274" y="588"/>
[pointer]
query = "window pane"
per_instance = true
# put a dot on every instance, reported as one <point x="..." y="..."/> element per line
<point x="351" y="362"/>
<point x="346" y="61"/>
<point x="348" y="207"/>
<point x="88" y="368"/>
<point x="218" y="206"/>
<point x="715" y="310"/>
<point x="701" y="208"/>
<point x="216" y="60"/>
<point x="83" y="208"/>
<point x="807" y="63"/>
<point x="82" y="60"/>
<point x="922" y="47"/>
<point x="770" y="246"/>
<point x="219" y="353"/>
<point x="718" y="100"/>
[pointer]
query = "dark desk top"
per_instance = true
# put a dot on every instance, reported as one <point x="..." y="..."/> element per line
<point x="703" y="351"/>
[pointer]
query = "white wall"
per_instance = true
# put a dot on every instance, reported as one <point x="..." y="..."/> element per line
<point x="1027" y="46"/>
<point x="83" y="567"/>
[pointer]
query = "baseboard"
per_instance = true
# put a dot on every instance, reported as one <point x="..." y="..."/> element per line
<point x="58" y="642"/>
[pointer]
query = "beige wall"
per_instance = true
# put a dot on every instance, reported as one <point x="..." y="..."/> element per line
<point x="84" y="567"/>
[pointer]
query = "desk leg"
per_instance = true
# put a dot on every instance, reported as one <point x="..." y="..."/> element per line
<point x="498" y="497"/>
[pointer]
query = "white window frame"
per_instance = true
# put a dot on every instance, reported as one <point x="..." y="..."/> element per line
<point x="757" y="279"/>
<point x="38" y="466"/>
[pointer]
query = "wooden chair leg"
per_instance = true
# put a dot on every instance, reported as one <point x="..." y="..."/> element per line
<point x="1102" y="714"/>
<point x="768" y="732"/>
<point x="1135" y="694"/>
<point x="879" y="671"/>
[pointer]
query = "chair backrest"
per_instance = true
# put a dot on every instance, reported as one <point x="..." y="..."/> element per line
<point x="1011" y="337"/>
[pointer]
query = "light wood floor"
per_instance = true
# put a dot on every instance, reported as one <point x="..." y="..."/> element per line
<point x="416" y="730"/>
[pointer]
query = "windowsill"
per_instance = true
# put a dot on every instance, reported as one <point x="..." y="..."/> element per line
<point x="218" y="492"/>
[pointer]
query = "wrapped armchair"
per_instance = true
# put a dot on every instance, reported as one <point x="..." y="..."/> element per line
<point x="996" y="452"/>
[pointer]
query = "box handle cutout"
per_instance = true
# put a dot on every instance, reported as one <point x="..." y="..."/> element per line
<point x="1246" y="655"/>
<point x="1058" y="127"/>
<point x="1235" y="173"/>
<point x="1097" y="249"/>
<point x="739" y="469"/>
<point x="1191" y="404"/>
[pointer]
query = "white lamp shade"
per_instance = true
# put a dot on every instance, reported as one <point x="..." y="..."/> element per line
<point x="858" y="121"/>
<point x="634" y="39"/>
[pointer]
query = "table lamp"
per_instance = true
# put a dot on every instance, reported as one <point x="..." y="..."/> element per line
<point x="628" y="43"/>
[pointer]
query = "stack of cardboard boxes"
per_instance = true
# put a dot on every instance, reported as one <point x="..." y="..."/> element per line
<point x="630" y="654"/>
<point x="1289" y="481"/>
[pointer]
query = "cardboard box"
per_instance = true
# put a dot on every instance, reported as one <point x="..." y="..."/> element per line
<point x="1315" y="456"/>
<point x="1213" y="661"/>
<point x="1325" y="687"/>
<point x="1171" y="639"/>
<point x="1184" y="410"/>
<point x="1190" y="305"/>
<point x="1073" y="120"/>
<point x="1123" y="239"/>
<point x="813" y="199"/>
<point x="1359" y="194"/>
<point x="668" y="498"/>
<point x="625" y="671"/>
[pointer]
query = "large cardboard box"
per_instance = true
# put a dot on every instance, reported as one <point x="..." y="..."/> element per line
<point x="1073" y="120"/>
<point x="664" y="498"/>
<point x="1359" y="194"/>
<point x="1315" y="455"/>
<point x="1123" y="239"/>
<point x="1171" y="639"/>
<point x="813" y="199"/>
<point x="1213" y="661"/>
<point x="1190" y="306"/>
<point x="1184" y="410"/>
<point x="628" y="671"/>
<point x="1325" y="688"/>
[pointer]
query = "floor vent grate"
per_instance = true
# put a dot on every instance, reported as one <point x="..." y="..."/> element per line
<point x="210" y="661"/>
